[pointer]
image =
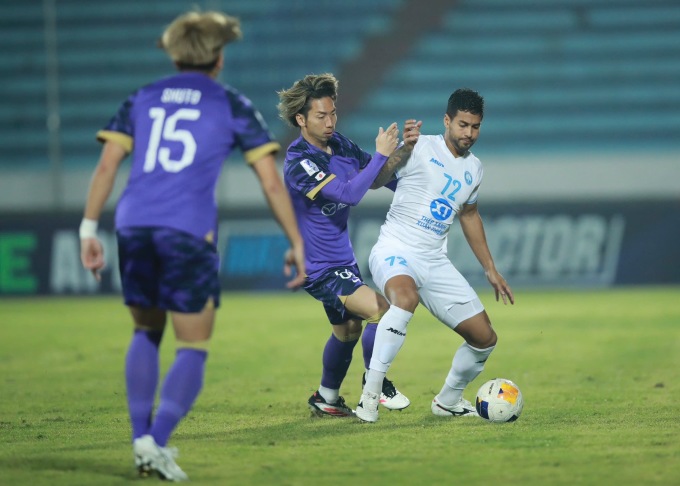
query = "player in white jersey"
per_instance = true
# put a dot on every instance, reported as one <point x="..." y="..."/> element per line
<point x="409" y="263"/>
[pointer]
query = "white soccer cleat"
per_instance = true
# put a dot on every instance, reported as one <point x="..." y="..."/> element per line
<point x="390" y="397"/>
<point x="367" y="410"/>
<point x="461" y="409"/>
<point x="150" y="457"/>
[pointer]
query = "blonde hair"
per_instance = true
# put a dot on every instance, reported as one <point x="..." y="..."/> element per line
<point x="197" y="38"/>
<point x="296" y="99"/>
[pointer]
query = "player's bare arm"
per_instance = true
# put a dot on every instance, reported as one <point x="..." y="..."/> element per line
<point x="281" y="206"/>
<point x="400" y="156"/>
<point x="101" y="185"/>
<point x="473" y="229"/>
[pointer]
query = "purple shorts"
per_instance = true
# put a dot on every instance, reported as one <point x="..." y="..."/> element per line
<point x="168" y="269"/>
<point x="333" y="283"/>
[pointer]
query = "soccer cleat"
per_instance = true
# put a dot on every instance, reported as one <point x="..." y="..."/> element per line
<point x="390" y="397"/>
<point x="321" y="408"/>
<point x="150" y="458"/>
<point x="367" y="410"/>
<point x="461" y="409"/>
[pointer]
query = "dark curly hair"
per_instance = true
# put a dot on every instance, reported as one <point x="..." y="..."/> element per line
<point x="465" y="99"/>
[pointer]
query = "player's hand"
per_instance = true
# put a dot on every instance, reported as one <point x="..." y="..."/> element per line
<point x="501" y="287"/>
<point x="387" y="140"/>
<point x="295" y="258"/>
<point x="92" y="256"/>
<point x="411" y="132"/>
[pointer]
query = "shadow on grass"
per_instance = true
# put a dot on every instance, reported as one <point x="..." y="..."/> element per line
<point x="52" y="463"/>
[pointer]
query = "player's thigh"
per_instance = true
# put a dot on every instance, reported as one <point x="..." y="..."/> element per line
<point x="448" y="295"/>
<point x="195" y="326"/>
<point x="366" y="303"/>
<point x="330" y="289"/>
<point x="387" y="261"/>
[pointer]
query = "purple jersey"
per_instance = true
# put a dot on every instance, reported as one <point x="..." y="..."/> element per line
<point x="322" y="221"/>
<point x="180" y="130"/>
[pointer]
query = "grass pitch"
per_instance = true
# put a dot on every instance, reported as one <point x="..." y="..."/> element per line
<point x="599" y="370"/>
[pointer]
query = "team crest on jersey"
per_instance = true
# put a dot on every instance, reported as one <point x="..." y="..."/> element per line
<point x="440" y="209"/>
<point x="468" y="177"/>
<point x="309" y="166"/>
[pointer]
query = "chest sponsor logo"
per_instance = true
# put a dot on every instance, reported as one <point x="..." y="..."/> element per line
<point x="441" y="209"/>
<point x="331" y="208"/>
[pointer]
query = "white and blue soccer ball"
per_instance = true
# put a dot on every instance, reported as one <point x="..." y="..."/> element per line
<point x="499" y="400"/>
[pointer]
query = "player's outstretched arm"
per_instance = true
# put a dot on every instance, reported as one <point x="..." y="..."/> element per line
<point x="282" y="208"/>
<point x="352" y="191"/>
<point x="401" y="155"/>
<point x="101" y="185"/>
<point x="473" y="229"/>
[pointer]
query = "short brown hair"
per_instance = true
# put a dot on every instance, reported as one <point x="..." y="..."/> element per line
<point x="295" y="99"/>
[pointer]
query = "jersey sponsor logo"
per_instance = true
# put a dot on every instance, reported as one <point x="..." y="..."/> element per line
<point x="331" y="208"/>
<point x="468" y="177"/>
<point x="436" y="162"/>
<point x="309" y="166"/>
<point x="320" y="176"/>
<point x="440" y="209"/>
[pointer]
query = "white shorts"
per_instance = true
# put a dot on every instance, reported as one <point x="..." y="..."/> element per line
<point x="442" y="288"/>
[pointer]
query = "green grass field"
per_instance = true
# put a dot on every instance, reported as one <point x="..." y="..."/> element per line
<point x="599" y="370"/>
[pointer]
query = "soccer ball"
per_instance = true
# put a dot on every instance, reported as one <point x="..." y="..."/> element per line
<point x="499" y="400"/>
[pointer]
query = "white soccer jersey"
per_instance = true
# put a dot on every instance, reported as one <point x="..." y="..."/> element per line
<point x="431" y="189"/>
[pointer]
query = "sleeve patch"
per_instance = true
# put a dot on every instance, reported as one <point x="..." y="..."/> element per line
<point x="311" y="168"/>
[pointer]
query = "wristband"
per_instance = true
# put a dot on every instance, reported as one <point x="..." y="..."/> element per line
<point x="88" y="228"/>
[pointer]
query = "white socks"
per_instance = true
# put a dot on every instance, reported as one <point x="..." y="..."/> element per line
<point x="468" y="363"/>
<point x="389" y="338"/>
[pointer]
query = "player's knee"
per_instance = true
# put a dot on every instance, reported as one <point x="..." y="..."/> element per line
<point x="405" y="298"/>
<point x="350" y="331"/>
<point x="484" y="340"/>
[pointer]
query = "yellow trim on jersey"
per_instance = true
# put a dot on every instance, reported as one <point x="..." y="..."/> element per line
<point x="253" y="155"/>
<point x="121" y="139"/>
<point x="312" y="194"/>
<point x="200" y="345"/>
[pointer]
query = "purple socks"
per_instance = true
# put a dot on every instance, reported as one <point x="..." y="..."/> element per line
<point x="180" y="388"/>
<point x="367" y="342"/>
<point x="337" y="356"/>
<point x="141" y="378"/>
